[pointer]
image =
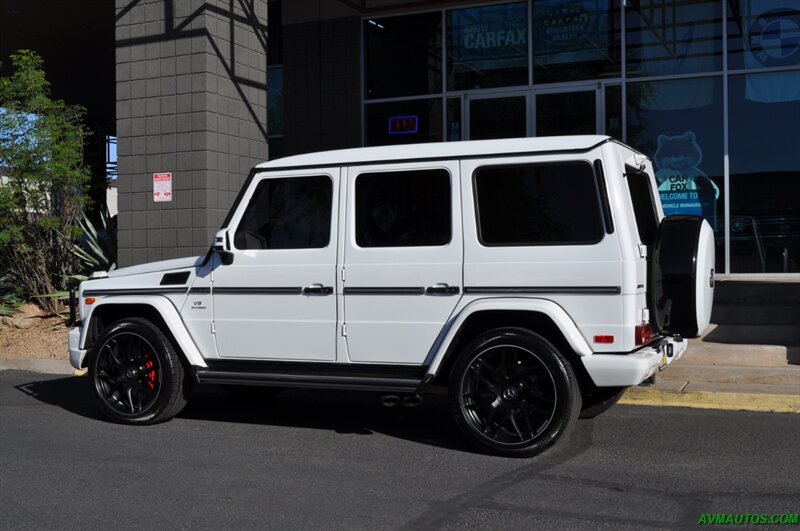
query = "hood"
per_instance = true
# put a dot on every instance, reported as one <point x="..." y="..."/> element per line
<point x="164" y="265"/>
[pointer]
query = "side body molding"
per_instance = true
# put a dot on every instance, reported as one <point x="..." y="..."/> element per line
<point x="168" y="312"/>
<point x="546" y="307"/>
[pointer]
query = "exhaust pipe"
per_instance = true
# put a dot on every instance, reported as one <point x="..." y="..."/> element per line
<point x="412" y="400"/>
<point x="390" y="400"/>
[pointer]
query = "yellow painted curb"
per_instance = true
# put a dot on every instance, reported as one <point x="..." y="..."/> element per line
<point x="79" y="372"/>
<point x="705" y="400"/>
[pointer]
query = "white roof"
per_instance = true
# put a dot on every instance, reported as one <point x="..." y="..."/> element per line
<point x="454" y="150"/>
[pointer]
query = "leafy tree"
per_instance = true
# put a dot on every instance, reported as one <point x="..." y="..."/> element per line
<point x="43" y="189"/>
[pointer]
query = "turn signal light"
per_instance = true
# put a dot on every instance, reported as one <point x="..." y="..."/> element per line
<point x="644" y="333"/>
<point x="603" y="339"/>
<point x="89" y="301"/>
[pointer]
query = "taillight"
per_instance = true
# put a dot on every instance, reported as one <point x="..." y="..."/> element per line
<point x="604" y="339"/>
<point x="644" y="333"/>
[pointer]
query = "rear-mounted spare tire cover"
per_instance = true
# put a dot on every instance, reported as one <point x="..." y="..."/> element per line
<point x="684" y="256"/>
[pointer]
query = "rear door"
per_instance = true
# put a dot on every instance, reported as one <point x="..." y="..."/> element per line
<point x="402" y="259"/>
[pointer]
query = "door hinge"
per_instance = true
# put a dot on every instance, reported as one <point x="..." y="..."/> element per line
<point x="213" y="328"/>
<point x="343" y="275"/>
<point x="645" y="315"/>
<point x="642" y="250"/>
<point x="344" y="330"/>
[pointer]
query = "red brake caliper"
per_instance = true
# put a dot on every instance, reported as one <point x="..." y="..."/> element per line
<point x="151" y="374"/>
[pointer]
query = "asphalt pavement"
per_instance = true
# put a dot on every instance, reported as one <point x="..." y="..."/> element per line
<point x="338" y="460"/>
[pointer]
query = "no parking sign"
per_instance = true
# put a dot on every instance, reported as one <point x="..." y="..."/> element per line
<point x="162" y="187"/>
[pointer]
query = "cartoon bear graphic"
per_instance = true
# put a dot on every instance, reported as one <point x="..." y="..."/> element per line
<point x="684" y="188"/>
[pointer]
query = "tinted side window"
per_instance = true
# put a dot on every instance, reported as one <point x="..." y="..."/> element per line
<point x="290" y="213"/>
<point x="537" y="204"/>
<point x="644" y="206"/>
<point x="403" y="209"/>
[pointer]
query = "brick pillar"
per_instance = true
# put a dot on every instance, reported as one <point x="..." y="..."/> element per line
<point x="191" y="100"/>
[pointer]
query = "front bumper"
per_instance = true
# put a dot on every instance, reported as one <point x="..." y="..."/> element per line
<point x="76" y="354"/>
<point x="624" y="370"/>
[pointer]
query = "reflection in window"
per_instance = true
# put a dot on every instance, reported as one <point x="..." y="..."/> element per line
<point x="575" y="40"/>
<point x="765" y="173"/>
<point x="403" y="209"/>
<point x="403" y="55"/>
<point x="292" y="213"/>
<point x="763" y="34"/>
<point x="678" y="124"/>
<point x="487" y="46"/>
<point x="669" y="37"/>
<point x="403" y="122"/>
<point x="497" y="118"/>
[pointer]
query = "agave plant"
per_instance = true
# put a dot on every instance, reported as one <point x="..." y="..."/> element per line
<point x="11" y="296"/>
<point x="97" y="248"/>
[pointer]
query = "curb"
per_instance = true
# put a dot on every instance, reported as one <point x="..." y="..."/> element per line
<point x="773" y="403"/>
<point x="38" y="365"/>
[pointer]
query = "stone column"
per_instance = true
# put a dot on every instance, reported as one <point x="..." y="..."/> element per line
<point x="191" y="83"/>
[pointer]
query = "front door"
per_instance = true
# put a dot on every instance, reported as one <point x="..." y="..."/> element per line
<point x="277" y="299"/>
<point x="402" y="259"/>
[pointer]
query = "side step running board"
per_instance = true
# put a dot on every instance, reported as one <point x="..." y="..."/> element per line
<point x="314" y="375"/>
<point x="308" y="381"/>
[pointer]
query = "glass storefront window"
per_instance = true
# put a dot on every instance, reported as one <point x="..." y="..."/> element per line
<point x="487" y="46"/>
<point x="671" y="37"/>
<point x="678" y="124"/>
<point x="403" y="122"/>
<point x="502" y="117"/>
<point x="613" y="99"/>
<point x="454" y="126"/>
<point x="765" y="172"/>
<point x="575" y="40"/>
<point x="763" y="34"/>
<point x="403" y="55"/>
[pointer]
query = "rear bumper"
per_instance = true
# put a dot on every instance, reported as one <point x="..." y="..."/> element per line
<point x="76" y="354"/>
<point x="621" y="370"/>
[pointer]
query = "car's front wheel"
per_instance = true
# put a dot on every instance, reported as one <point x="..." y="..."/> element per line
<point x="136" y="375"/>
<point x="513" y="393"/>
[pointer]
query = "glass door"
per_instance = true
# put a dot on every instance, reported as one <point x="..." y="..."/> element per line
<point x="566" y="113"/>
<point x="497" y="116"/>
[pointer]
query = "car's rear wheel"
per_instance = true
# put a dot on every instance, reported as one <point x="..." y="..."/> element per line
<point x="136" y="375"/>
<point x="513" y="393"/>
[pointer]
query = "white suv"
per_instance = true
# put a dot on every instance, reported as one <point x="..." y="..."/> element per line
<point x="536" y="278"/>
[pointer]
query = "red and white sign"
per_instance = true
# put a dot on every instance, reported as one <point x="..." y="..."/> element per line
<point x="162" y="187"/>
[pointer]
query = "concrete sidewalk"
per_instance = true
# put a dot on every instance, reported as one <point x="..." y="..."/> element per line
<point x="716" y="375"/>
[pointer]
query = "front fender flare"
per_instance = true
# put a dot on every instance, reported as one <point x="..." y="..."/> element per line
<point x="166" y="309"/>
<point x="543" y="306"/>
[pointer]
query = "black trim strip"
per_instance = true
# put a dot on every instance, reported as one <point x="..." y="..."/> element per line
<point x="173" y="279"/>
<point x="563" y="290"/>
<point x="133" y="291"/>
<point x="601" y="177"/>
<point x="259" y="291"/>
<point x="384" y="291"/>
<point x="200" y="290"/>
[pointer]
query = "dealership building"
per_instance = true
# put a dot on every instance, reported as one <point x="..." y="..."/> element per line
<point x="196" y="93"/>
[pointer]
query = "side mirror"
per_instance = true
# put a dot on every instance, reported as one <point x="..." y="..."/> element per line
<point x="222" y="241"/>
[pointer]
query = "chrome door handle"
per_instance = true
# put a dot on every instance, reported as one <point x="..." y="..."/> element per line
<point x="317" y="289"/>
<point x="442" y="289"/>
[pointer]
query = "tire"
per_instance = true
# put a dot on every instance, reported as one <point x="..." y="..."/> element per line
<point x="681" y="289"/>
<point x="136" y="375"/>
<point x="513" y="393"/>
<point x="600" y="401"/>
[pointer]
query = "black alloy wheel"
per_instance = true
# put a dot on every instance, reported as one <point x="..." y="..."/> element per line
<point x="136" y="374"/>
<point x="513" y="393"/>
